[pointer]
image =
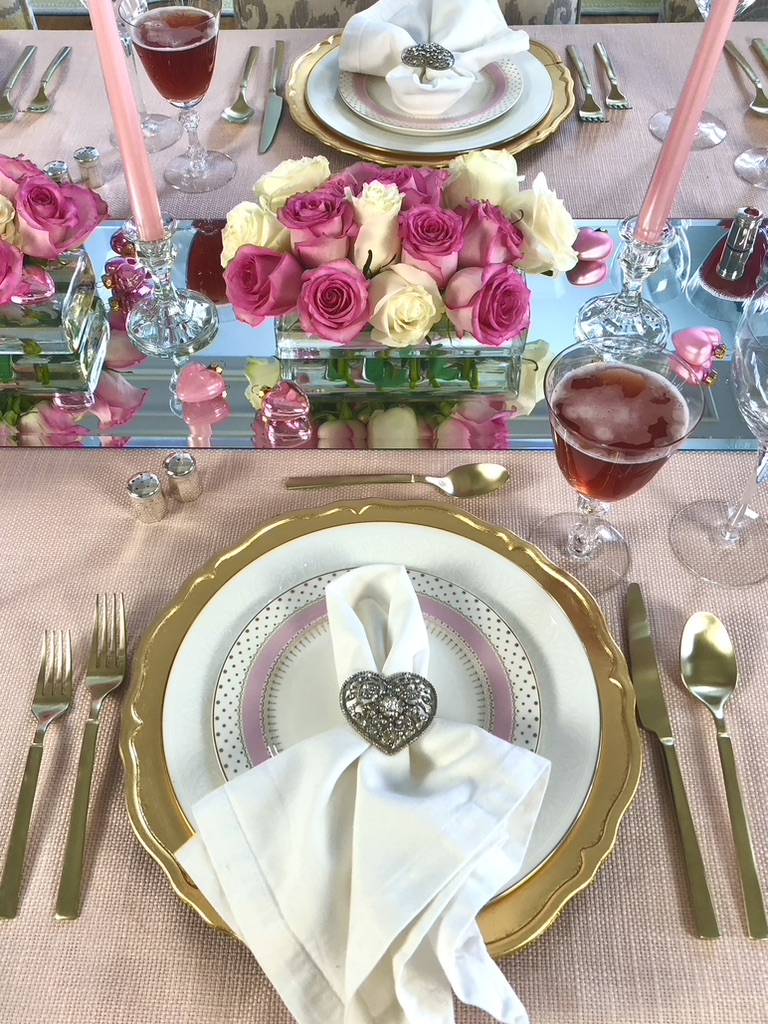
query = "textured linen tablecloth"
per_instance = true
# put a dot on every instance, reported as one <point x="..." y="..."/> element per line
<point x="622" y="951"/>
<point x="599" y="170"/>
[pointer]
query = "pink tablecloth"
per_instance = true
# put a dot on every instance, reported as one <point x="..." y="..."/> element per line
<point x="623" y="950"/>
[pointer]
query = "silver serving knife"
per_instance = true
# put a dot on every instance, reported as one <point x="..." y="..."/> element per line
<point x="274" y="106"/>
<point x="7" y="110"/>
<point x="653" y="715"/>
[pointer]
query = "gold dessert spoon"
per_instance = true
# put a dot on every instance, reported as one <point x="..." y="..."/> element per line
<point x="461" y="482"/>
<point x="709" y="670"/>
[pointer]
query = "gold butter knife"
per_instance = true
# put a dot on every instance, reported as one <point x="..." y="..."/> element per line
<point x="654" y="717"/>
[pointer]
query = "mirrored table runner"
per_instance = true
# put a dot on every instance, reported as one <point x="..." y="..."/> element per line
<point x="151" y="417"/>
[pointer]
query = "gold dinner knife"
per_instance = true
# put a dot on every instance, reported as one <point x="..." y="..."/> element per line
<point x="653" y="715"/>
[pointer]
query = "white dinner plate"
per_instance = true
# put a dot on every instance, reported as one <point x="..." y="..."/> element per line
<point x="570" y="728"/>
<point x="498" y="87"/>
<point x="327" y="105"/>
<point x="278" y="685"/>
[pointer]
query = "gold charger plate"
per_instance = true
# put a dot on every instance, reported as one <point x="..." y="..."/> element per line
<point x="513" y="919"/>
<point x="296" y="96"/>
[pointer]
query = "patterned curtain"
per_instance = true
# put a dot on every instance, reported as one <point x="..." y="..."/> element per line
<point x="283" y="14"/>
<point x="686" y="10"/>
<point x="16" y="14"/>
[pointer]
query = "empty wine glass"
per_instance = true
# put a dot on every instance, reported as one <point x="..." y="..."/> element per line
<point x="159" y="130"/>
<point x="615" y="419"/>
<point x="725" y="543"/>
<point x="176" y="42"/>
<point x="711" y="130"/>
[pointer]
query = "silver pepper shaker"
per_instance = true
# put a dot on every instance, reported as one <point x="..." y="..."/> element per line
<point x="89" y="161"/>
<point x="58" y="171"/>
<point x="739" y="243"/>
<point x="147" y="498"/>
<point x="182" y="476"/>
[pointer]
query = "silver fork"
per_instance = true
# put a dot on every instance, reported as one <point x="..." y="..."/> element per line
<point x="106" y="671"/>
<point x="589" y="110"/>
<point x="615" y="98"/>
<point x="52" y="698"/>
<point x="42" y="101"/>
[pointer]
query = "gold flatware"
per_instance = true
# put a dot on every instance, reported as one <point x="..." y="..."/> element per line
<point x="241" y="111"/>
<point x="761" y="49"/>
<point x="760" y="103"/>
<point x="462" y="482"/>
<point x="710" y="673"/>
<point x="615" y="98"/>
<point x="274" y="106"/>
<point x="52" y="698"/>
<point x="7" y="109"/>
<point x="42" y="102"/>
<point x="653" y="715"/>
<point x="106" y="671"/>
<point x="589" y="109"/>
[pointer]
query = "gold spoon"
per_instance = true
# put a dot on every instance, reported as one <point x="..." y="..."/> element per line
<point x="241" y="111"/>
<point x="709" y="670"/>
<point x="462" y="482"/>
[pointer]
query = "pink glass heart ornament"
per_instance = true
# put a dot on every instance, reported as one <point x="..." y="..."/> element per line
<point x="699" y="347"/>
<point x="36" y="287"/>
<point x="285" y="402"/>
<point x="592" y="244"/>
<point x="588" y="273"/>
<point x="199" y="383"/>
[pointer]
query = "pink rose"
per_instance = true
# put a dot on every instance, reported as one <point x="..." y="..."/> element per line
<point x="491" y="303"/>
<point x="11" y="262"/>
<point x="489" y="236"/>
<point x="333" y="303"/>
<point x="53" y="218"/>
<point x="322" y="226"/>
<point x="431" y="240"/>
<point x="262" y="283"/>
<point x="116" y="401"/>
<point x="476" y="423"/>
<point x="417" y="186"/>
<point x="13" y="170"/>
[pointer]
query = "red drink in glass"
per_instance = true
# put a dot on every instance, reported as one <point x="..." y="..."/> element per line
<point x="177" y="46"/>
<point x="614" y="427"/>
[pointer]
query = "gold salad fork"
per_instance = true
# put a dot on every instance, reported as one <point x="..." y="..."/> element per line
<point x="615" y="99"/>
<point x="52" y="698"/>
<point x="42" y="101"/>
<point x="589" y="110"/>
<point x="106" y="671"/>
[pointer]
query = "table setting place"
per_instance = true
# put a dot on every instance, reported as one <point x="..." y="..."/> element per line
<point x="321" y="371"/>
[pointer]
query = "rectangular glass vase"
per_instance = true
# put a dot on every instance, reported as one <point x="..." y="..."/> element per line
<point x="446" y="365"/>
<point x="57" y="346"/>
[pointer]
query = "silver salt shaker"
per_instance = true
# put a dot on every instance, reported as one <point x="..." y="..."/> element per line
<point x="182" y="476"/>
<point x="89" y="161"/>
<point x="147" y="498"/>
<point x="58" y="171"/>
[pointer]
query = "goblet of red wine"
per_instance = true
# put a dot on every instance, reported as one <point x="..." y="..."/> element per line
<point x="615" y="421"/>
<point x="176" y="42"/>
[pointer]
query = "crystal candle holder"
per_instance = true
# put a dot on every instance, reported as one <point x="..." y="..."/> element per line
<point x="171" y="322"/>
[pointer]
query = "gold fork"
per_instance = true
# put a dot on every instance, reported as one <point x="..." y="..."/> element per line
<point x="106" y="671"/>
<point x="52" y="698"/>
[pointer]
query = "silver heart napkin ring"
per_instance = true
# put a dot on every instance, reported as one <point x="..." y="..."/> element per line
<point x="428" y="55"/>
<point x="388" y="711"/>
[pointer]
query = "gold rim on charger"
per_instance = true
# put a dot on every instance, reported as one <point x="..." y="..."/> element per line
<point x="517" y="917"/>
<point x="296" y="96"/>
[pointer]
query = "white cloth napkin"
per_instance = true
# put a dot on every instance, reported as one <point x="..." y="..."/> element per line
<point x="473" y="30"/>
<point x="355" y="877"/>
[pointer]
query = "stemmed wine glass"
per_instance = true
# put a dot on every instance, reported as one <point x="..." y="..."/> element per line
<point x="159" y="130"/>
<point x="176" y="41"/>
<point x="616" y="418"/>
<point x="711" y="130"/>
<point x="722" y="543"/>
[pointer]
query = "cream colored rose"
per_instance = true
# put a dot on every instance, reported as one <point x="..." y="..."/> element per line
<point x="486" y="175"/>
<point x="291" y="177"/>
<point x="253" y="224"/>
<point x="406" y="305"/>
<point x="548" y="229"/>
<point x="535" y="362"/>
<point x="376" y="211"/>
<point x="261" y="375"/>
<point x="398" y="427"/>
<point x="8" y="230"/>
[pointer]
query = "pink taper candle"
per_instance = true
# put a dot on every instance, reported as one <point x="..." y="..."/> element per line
<point x="668" y="173"/>
<point x="142" y="192"/>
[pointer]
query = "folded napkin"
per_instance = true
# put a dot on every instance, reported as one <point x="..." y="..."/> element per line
<point x="473" y="30"/>
<point x="355" y="877"/>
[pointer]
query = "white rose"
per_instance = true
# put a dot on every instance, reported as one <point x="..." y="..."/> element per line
<point x="253" y="224"/>
<point x="291" y="177"/>
<point x="376" y="211"/>
<point x="261" y="375"/>
<point x="486" y="175"/>
<point x="548" y="229"/>
<point x="8" y="231"/>
<point x="398" y="427"/>
<point x="406" y="304"/>
<point x="535" y="362"/>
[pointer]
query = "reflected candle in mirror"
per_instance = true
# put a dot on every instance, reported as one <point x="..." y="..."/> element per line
<point x="177" y="46"/>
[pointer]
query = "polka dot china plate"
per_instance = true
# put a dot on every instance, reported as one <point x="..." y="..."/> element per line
<point x="278" y="686"/>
